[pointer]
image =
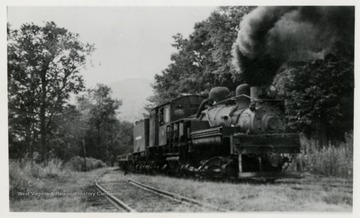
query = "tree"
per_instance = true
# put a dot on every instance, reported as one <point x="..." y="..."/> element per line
<point x="203" y="60"/>
<point x="43" y="69"/>
<point x="68" y="134"/>
<point x="103" y="128"/>
<point x="320" y="96"/>
<point x="93" y="121"/>
<point x="124" y="139"/>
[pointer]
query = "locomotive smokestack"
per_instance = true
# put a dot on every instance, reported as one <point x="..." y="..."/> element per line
<point x="271" y="36"/>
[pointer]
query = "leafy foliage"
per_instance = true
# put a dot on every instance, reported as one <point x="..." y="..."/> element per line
<point x="320" y="95"/>
<point x="204" y="60"/>
<point x="105" y="135"/>
<point x="43" y="69"/>
<point x="67" y="137"/>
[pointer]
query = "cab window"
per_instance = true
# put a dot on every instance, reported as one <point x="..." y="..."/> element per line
<point x="167" y="115"/>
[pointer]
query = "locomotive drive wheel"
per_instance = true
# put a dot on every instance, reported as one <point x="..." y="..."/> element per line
<point x="231" y="172"/>
<point x="218" y="167"/>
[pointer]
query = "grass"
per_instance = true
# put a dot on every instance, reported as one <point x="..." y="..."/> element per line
<point x="327" y="185"/>
<point x="332" y="164"/>
<point x="257" y="197"/>
<point x="53" y="188"/>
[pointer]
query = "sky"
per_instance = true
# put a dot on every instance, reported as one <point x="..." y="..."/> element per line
<point x="130" y="42"/>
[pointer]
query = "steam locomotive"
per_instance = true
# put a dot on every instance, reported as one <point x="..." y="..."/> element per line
<point x="215" y="135"/>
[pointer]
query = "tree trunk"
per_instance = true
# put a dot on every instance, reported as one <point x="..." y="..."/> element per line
<point x="44" y="147"/>
<point x="28" y="137"/>
<point x="83" y="142"/>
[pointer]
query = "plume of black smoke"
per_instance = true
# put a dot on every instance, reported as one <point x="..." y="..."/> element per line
<point x="271" y="36"/>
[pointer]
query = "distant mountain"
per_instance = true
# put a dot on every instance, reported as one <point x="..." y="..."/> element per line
<point x="133" y="93"/>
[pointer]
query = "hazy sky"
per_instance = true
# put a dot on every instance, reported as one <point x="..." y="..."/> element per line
<point x="131" y="42"/>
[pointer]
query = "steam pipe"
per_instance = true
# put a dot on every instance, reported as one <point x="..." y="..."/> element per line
<point x="254" y="93"/>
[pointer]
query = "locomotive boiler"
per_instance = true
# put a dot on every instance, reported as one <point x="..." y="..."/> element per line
<point x="218" y="136"/>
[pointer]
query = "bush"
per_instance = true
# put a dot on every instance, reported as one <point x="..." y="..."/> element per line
<point x="331" y="160"/>
<point x="77" y="164"/>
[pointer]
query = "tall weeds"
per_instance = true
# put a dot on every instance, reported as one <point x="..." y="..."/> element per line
<point x="25" y="173"/>
<point x="18" y="179"/>
<point x="332" y="160"/>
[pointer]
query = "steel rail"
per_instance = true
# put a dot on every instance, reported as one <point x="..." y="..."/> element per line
<point x="176" y="197"/>
<point x="114" y="200"/>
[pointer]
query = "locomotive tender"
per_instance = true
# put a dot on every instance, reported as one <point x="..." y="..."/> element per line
<point x="217" y="136"/>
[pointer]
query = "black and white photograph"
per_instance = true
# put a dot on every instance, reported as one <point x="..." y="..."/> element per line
<point x="181" y="109"/>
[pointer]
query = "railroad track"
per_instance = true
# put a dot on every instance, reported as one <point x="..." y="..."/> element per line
<point x="112" y="199"/>
<point x="139" y="197"/>
<point x="176" y="197"/>
<point x="148" y="199"/>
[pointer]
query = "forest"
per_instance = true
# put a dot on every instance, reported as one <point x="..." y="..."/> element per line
<point x="309" y="59"/>
<point x="44" y="66"/>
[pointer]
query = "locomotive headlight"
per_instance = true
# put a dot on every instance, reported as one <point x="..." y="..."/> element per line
<point x="271" y="91"/>
<point x="274" y="159"/>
